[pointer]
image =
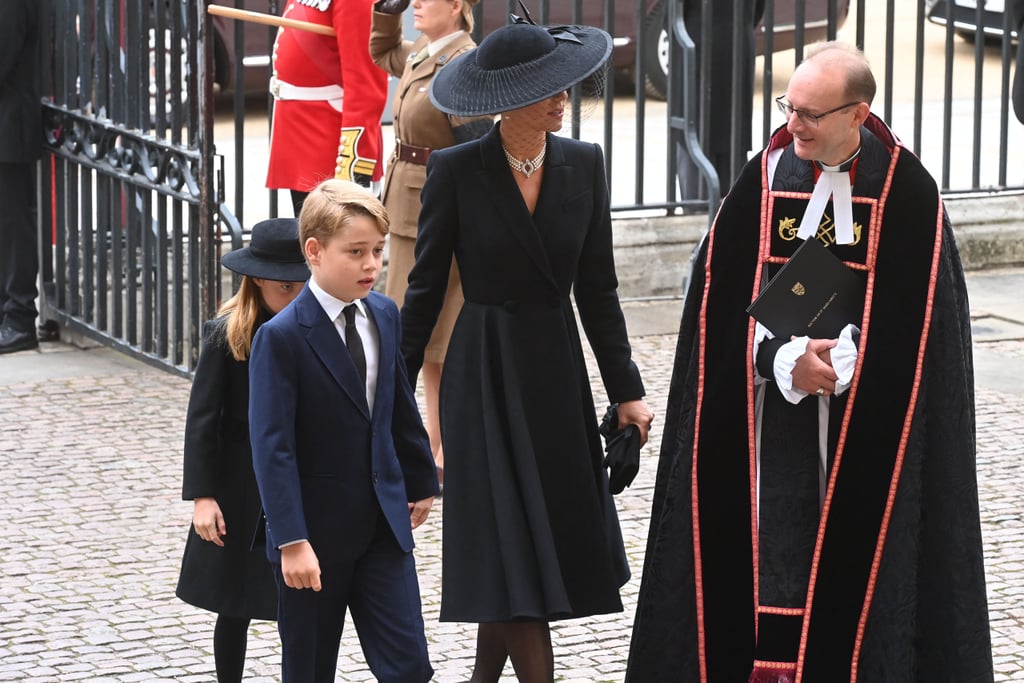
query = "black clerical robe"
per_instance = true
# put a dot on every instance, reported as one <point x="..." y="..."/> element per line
<point x="895" y="587"/>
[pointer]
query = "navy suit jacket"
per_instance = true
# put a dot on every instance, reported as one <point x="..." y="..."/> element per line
<point x="325" y="466"/>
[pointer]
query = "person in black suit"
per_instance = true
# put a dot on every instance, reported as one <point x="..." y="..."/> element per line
<point x="21" y="139"/>
<point x="221" y="570"/>
<point x="530" y="529"/>
<point x="341" y="456"/>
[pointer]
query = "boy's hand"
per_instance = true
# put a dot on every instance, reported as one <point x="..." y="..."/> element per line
<point x="419" y="510"/>
<point x="208" y="520"/>
<point x="300" y="567"/>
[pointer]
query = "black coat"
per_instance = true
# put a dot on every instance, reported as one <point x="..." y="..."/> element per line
<point x="530" y="529"/>
<point x="236" y="579"/>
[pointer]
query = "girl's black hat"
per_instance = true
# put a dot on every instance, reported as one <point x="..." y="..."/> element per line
<point x="274" y="253"/>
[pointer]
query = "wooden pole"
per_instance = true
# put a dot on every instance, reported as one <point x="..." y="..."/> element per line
<point x="269" y="19"/>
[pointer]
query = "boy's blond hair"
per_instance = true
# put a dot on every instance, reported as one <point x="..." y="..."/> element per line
<point x="332" y="204"/>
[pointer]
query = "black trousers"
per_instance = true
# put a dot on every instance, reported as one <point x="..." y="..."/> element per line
<point x="19" y="259"/>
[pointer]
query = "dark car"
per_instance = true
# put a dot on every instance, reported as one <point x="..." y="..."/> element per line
<point x="965" y="18"/>
<point x="655" y="35"/>
<point x="254" y="59"/>
<point x="258" y="42"/>
<point x="494" y="13"/>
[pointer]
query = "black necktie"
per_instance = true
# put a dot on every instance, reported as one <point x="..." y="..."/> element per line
<point x="354" y="343"/>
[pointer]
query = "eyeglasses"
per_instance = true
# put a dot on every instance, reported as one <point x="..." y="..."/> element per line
<point x="806" y="117"/>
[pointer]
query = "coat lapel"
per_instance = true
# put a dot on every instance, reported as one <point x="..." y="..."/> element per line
<point x="423" y="66"/>
<point x="504" y="192"/>
<point x="433" y="63"/>
<point x="325" y="342"/>
<point x="556" y="187"/>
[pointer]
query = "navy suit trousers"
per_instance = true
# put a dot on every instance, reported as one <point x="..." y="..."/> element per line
<point x="381" y="590"/>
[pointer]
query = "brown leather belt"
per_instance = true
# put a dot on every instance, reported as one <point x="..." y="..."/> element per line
<point x="411" y="153"/>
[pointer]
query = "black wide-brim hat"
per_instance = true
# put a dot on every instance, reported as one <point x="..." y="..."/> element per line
<point x="274" y="253"/>
<point x="518" y="65"/>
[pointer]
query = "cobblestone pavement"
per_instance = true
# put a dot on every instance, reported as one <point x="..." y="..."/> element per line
<point x="92" y="530"/>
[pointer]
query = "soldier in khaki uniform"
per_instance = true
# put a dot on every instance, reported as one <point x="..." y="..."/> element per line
<point x="420" y="128"/>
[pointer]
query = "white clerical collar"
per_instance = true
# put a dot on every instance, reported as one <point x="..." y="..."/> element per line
<point x="834" y="182"/>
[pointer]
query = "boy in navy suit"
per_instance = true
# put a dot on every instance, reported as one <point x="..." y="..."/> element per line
<point x="342" y="459"/>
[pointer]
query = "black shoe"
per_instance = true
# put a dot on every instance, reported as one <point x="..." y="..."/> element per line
<point x="13" y="339"/>
<point x="48" y="331"/>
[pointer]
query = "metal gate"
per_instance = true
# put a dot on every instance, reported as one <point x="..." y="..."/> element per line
<point x="128" y="213"/>
<point x="131" y="193"/>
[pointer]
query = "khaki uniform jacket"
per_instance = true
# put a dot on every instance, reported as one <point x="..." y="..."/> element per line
<point x="416" y="120"/>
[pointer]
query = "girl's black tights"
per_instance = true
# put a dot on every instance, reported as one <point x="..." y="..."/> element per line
<point x="230" y="636"/>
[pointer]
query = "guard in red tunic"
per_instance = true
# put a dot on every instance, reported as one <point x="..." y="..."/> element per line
<point x="328" y="100"/>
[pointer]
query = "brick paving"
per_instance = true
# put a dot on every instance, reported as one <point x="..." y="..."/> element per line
<point x="92" y="530"/>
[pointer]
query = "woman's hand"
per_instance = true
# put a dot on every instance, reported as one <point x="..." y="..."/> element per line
<point x="208" y="521"/>
<point x="636" y="412"/>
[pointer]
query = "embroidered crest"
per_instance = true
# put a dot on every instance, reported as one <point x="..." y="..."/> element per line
<point x="826" y="230"/>
<point x="787" y="228"/>
<point x="349" y="163"/>
<point x="799" y="289"/>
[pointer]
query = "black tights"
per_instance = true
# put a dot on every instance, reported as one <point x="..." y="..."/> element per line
<point x="298" y="199"/>
<point x="229" y="641"/>
<point x="526" y="643"/>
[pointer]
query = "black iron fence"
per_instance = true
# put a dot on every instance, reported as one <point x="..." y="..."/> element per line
<point x="127" y="208"/>
<point x="138" y="197"/>
<point x="946" y="96"/>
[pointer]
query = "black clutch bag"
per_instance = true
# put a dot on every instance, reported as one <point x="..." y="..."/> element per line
<point x="622" y="450"/>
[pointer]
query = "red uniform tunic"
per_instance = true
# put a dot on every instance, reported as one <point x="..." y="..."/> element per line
<point x="315" y="135"/>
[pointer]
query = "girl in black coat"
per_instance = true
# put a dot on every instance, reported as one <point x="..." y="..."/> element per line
<point x="224" y="569"/>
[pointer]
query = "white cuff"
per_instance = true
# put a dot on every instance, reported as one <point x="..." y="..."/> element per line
<point x="785" y="361"/>
<point x="844" y="358"/>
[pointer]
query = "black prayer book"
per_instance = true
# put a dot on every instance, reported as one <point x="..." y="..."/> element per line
<point x="814" y="294"/>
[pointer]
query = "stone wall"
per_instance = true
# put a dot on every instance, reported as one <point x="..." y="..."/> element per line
<point x="652" y="254"/>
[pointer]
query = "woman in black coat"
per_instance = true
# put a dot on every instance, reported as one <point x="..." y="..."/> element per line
<point x="530" y="529"/>
<point x="224" y="568"/>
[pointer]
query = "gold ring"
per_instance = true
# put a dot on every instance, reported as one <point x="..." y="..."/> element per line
<point x="820" y="391"/>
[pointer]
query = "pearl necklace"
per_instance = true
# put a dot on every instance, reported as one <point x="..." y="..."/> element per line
<point x="526" y="166"/>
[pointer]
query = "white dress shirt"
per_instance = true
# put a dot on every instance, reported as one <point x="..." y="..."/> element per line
<point x="333" y="307"/>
